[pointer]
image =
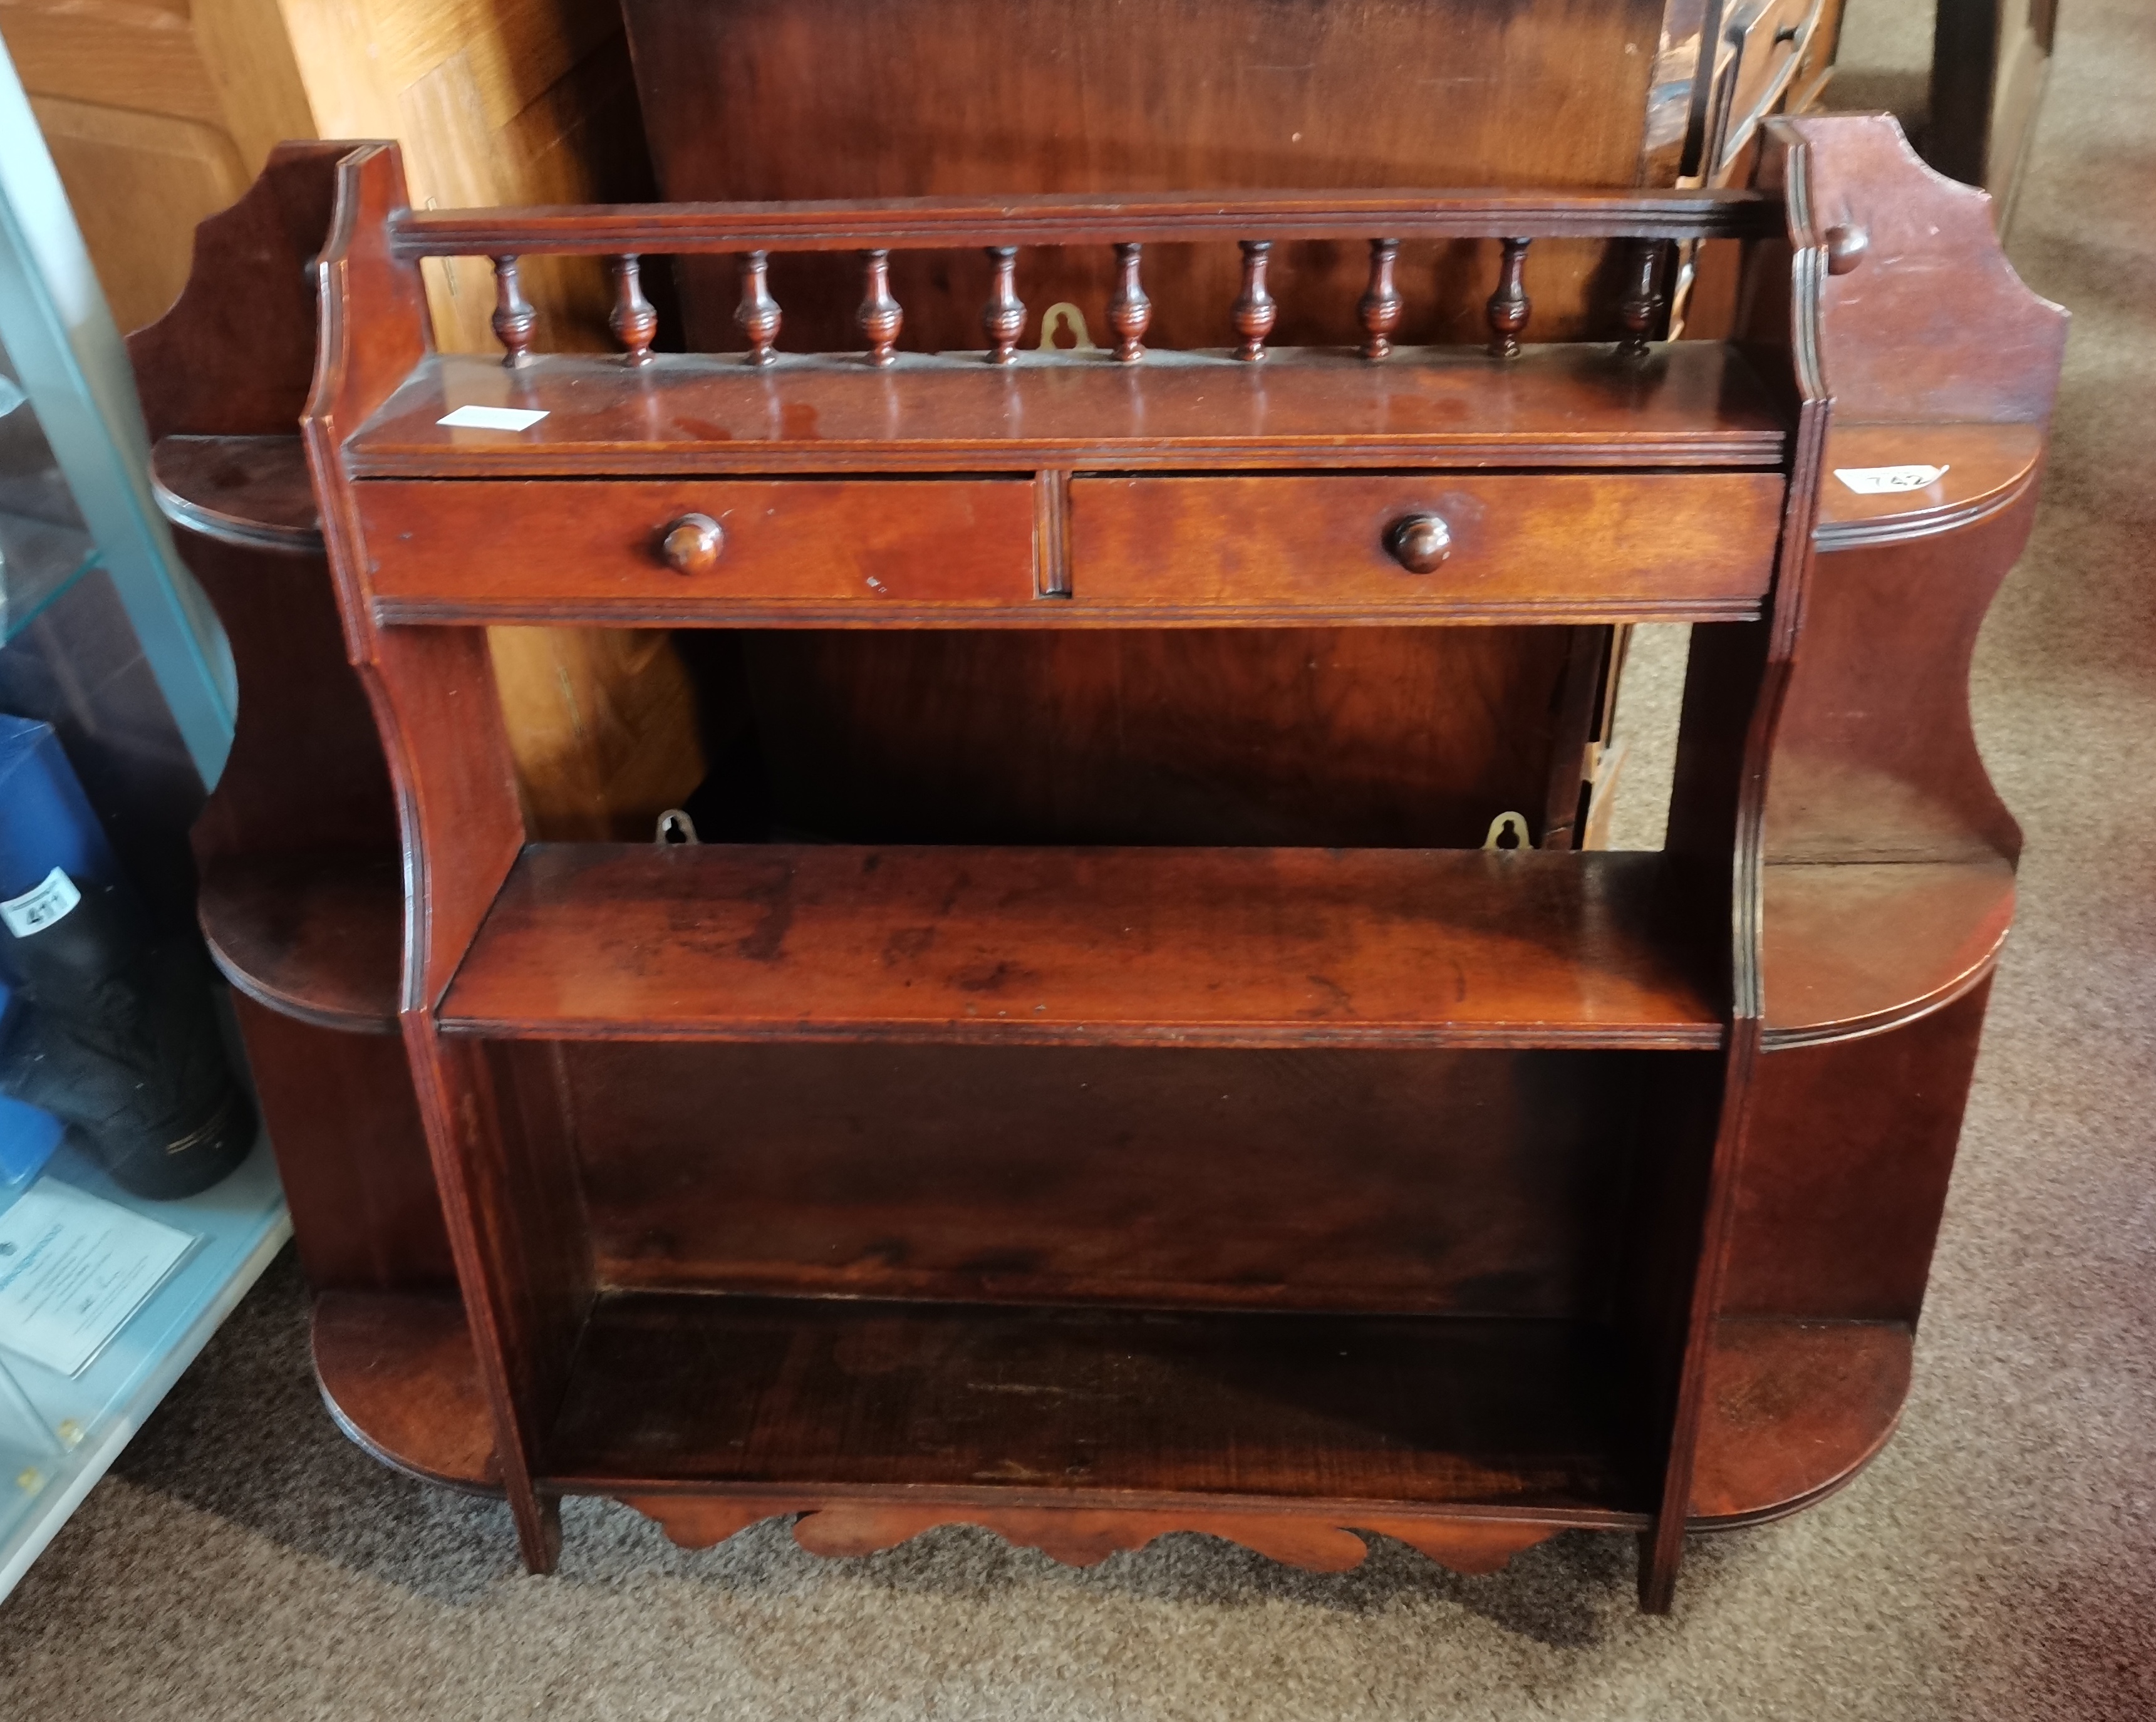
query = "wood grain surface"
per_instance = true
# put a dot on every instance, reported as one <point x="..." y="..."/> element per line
<point x="1108" y="947"/>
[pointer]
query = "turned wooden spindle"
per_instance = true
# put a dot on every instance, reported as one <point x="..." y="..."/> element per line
<point x="880" y="316"/>
<point x="633" y="319"/>
<point x="1642" y="306"/>
<point x="514" y="318"/>
<point x="1509" y="304"/>
<point x="1129" y="311"/>
<point x="1255" y="308"/>
<point x="1380" y="309"/>
<point x="1004" y="319"/>
<point x="757" y="315"/>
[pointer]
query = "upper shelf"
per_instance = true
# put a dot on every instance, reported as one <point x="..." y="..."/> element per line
<point x="1690" y="405"/>
<point x="1125" y="947"/>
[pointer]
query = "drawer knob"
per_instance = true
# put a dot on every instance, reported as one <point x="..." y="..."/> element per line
<point x="1419" y="542"/>
<point x="692" y="544"/>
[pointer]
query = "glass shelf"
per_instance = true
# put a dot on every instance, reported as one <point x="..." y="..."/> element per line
<point x="45" y="547"/>
<point x="59" y="1434"/>
<point x="39" y="561"/>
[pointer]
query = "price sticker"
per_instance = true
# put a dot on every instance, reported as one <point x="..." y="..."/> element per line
<point x="43" y="903"/>
<point x="491" y="419"/>
<point x="1884" y="481"/>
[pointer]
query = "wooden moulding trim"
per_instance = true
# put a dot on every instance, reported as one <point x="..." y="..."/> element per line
<point x="1047" y="610"/>
<point x="1319" y="1537"/>
<point x="915" y="224"/>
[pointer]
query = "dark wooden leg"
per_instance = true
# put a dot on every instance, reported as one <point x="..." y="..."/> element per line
<point x="1964" y="73"/>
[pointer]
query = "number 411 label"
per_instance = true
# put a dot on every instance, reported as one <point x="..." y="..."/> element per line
<point x="43" y="903"/>
<point x="1881" y="481"/>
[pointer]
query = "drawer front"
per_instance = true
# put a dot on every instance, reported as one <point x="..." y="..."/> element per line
<point x="1573" y="546"/>
<point x="822" y="549"/>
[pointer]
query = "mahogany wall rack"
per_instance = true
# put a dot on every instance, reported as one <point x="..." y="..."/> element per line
<point x="892" y="1167"/>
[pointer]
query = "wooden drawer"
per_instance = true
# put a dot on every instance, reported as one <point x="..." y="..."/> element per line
<point x="1529" y="546"/>
<point x="525" y="548"/>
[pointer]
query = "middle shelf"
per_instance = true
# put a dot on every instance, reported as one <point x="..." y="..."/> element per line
<point x="1250" y="948"/>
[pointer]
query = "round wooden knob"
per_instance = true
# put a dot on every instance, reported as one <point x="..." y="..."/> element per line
<point x="692" y="544"/>
<point x="1846" y="246"/>
<point x="1419" y="542"/>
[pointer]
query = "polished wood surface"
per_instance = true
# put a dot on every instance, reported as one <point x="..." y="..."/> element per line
<point x="1256" y="948"/>
<point x="248" y="489"/>
<point x="399" y="1374"/>
<point x="641" y="550"/>
<point x="1687" y="404"/>
<point x="1563" y="547"/>
<point x="312" y="936"/>
<point x="1091" y="1081"/>
<point x="1793" y="1410"/>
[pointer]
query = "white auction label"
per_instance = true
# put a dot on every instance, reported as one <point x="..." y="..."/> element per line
<point x="72" y="1268"/>
<point x="1881" y="481"/>
<point x="43" y="903"/>
<point x="491" y="419"/>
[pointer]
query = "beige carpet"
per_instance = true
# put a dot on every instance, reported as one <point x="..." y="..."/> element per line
<point x="1999" y="1560"/>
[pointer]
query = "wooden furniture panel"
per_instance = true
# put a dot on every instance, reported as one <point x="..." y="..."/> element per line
<point x="1080" y="1095"/>
<point x="1557" y="546"/>
<point x="754" y="99"/>
<point x="1309" y="1178"/>
<point x="1362" y="737"/>
<point x="838" y="544"/>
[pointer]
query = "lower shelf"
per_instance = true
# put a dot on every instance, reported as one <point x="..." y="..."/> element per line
<point x="669" y="1389"/>
<point x="1080" y="1430"/>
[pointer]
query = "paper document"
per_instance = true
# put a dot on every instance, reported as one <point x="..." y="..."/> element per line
<point x="72" y="1268"/>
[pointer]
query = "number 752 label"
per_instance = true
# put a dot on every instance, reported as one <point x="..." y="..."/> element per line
<point x="1880" y="480"/>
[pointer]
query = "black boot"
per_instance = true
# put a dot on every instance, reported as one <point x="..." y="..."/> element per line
<point x="121" y="1041"/>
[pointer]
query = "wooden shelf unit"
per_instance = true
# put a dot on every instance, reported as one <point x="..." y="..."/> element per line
<point x="910" y="1159"/>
